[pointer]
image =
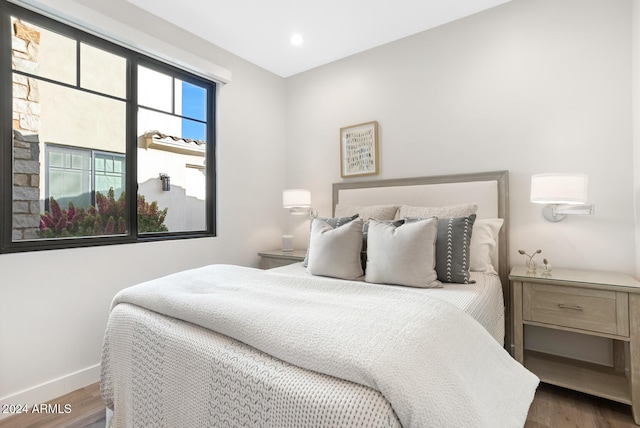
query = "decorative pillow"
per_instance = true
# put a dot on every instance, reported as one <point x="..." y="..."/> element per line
<point x="336" y="251"/>
<point x="365" y="232"/>
<point x="333" y="222"/>
<point x="453" y="247"/>
<point x="378" y="212"/>
<point x="451" y="211"/>
<point x="484" y="242"/>
<point x="402" y="255"/>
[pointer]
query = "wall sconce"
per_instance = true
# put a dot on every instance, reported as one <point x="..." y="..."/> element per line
<point x="562" y="193"/>
<point x="166" y="184"/>
<point x="298" y="201"/>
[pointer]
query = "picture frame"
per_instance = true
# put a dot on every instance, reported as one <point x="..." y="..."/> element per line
<point x="359" y="150"/>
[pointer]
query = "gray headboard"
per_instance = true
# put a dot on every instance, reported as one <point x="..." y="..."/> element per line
<point x="490" y="190"/>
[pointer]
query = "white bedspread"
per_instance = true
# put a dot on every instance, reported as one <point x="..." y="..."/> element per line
<point x="483" y="300"/>
<point x="432" y="362"/>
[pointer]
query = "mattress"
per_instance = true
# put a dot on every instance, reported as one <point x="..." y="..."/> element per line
<point x="483" y="299"/>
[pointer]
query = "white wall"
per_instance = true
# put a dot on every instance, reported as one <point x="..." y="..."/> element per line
<point x="54" y="304"/>
<point x="529" y="86"/>
<point x="635" y="58"/>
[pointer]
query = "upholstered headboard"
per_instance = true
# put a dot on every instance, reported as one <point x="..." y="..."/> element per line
<point x="489" y="190"/>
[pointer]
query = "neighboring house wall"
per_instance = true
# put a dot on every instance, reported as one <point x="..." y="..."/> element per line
<point x="186" y="199"/>
<point x="86" y="112"/>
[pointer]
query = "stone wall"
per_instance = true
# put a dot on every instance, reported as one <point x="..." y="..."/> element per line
<point x="26" y="126"/>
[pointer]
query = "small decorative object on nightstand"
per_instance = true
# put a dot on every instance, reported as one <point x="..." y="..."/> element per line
<point x="287" y="243"/>
<point x="530" y="263"/>
<point x="595" y="303"/>
<point x="275" y="258"/>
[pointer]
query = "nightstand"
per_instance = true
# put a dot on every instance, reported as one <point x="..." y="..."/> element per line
<point x="595" y="303"/>
<point x="276" y="258"/>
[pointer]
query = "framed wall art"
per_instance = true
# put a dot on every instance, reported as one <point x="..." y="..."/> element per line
<point x="359" y="150"/>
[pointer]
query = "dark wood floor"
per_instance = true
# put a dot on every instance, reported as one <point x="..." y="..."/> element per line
<point x="552" y="408"/>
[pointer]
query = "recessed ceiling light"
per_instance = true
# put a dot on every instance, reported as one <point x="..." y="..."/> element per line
<point x="296" y="40"/>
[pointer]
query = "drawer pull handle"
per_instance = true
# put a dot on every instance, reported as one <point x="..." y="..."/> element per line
<point x="573" y="307"/>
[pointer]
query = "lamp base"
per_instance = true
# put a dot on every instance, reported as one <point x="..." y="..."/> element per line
<point x="550" y="214"/>
<point x="310" y="212"/>
<point x="287" y="243"/>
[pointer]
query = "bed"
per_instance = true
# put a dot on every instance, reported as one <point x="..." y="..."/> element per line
<point x="232" y="346"/>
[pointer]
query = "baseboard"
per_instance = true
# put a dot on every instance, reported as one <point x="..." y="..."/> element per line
<point x="51" y="390"/>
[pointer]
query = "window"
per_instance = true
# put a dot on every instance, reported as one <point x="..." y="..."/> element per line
<point x="101" y="144"/>
<point x="167" y="102"/>
<point x="76" y="174"/>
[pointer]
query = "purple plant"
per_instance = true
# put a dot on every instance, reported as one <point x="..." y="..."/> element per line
<point x="108" y="217"/>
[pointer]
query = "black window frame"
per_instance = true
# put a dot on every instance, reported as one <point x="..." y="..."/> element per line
<point x="7" y="244"/>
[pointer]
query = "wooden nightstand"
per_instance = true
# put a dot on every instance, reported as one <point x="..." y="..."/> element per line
<point x="276" y="258"/>
<point x="595" y="303"/>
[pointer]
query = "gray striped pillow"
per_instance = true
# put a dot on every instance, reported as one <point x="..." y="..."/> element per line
<point x="453" y="248"/>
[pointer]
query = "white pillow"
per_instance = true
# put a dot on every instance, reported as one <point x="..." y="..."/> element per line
<point x="484" y="242"/>
<point x="452" y="211"/>
<point x="378" y="212"/>
<point x="402" y="255"/>
<point x="336" y="252"/>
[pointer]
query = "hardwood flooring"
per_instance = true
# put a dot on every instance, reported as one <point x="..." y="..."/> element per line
<point x="552" y="407"/>
<point x="86" y="410"/>
<point x="555" y="407"/>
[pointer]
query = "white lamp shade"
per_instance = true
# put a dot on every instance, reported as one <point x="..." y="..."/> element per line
<point x="296" y="198"/>
<point x="559" y="189"/>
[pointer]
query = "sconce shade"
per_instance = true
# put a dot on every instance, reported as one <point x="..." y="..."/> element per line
<point x="559" y="189"/>
<point x="296" y="198"/>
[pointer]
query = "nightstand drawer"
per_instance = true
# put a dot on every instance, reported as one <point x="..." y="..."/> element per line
<point x="273" y="262"/>
<point x="276" y="258"/>
<point x="601" y="311"/>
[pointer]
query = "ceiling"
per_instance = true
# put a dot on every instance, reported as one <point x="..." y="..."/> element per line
<point x="259" y="31"/>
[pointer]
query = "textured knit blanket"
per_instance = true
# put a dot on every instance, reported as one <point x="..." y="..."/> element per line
<point x="435" y="364"/>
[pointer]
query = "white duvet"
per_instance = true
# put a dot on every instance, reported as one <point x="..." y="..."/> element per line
<point x="436" y="365"/>
<point x="482" y="299"/>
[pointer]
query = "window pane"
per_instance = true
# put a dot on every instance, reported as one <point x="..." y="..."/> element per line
<point x="155" y="90"/>
<point x="56" y="159"/>
<point x="193" y="130"/>
<point x="99" y="164"/>
<point x="192" y="99"/>
<point x="105" y="176"/>
<point x="183" y="162"/>
<point x="53" y="146"/>
<point x="98" y="69"/>
<point x="77" y="161"/>
<point x="70" y="182"/>
<point x="44" y="53"/>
